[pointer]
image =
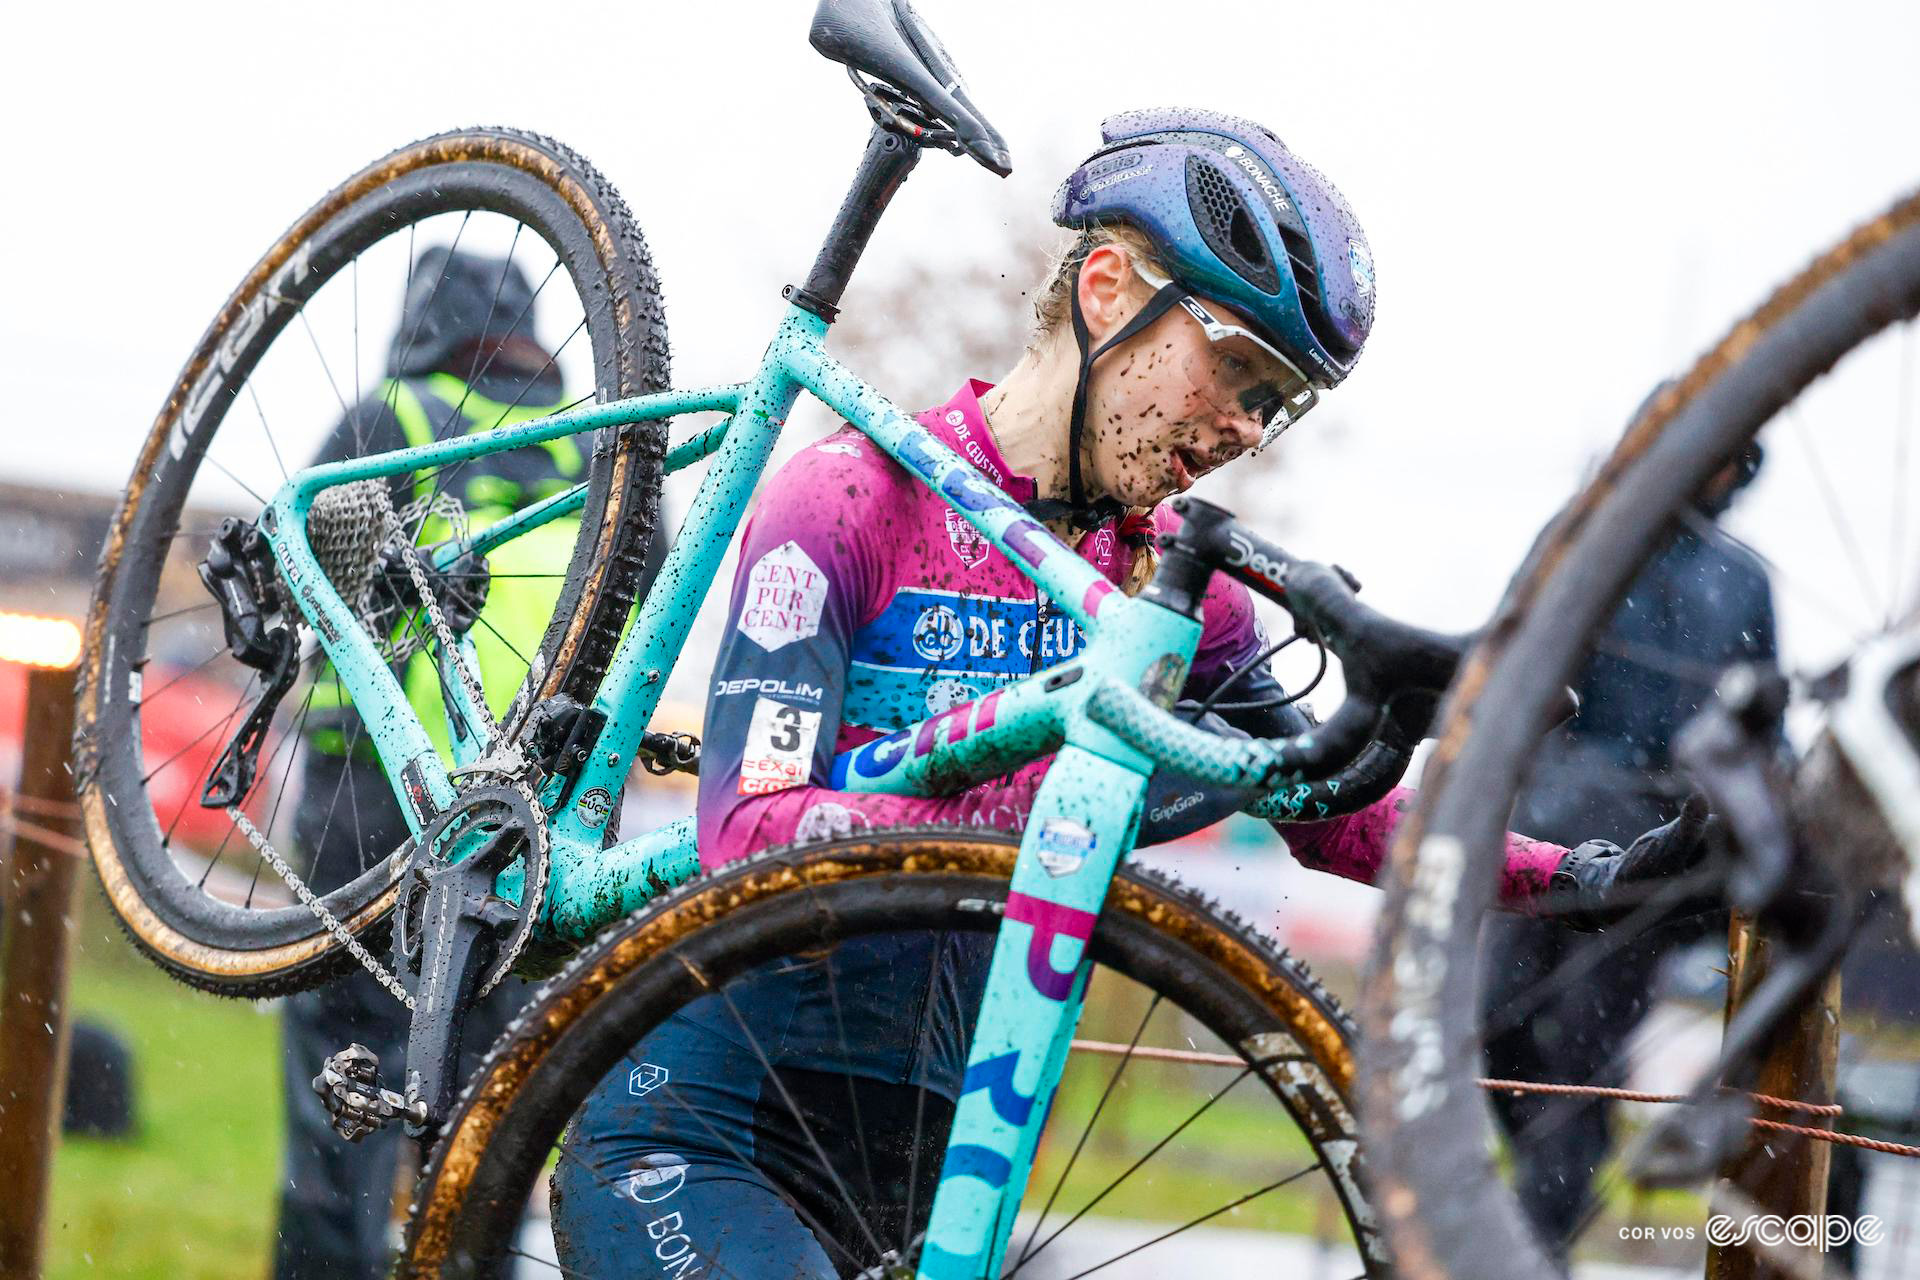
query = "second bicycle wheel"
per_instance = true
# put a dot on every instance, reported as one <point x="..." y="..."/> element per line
<point x="1824" y="377"/>
<point x="470" y="280"/>
<point x="1203" y="1116"/>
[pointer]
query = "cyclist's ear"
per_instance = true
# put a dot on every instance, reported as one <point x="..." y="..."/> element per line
<point x="1110" y="292"/>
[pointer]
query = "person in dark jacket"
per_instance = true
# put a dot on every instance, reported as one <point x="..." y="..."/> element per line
<point x="464" y="359"/>
<point x="1703" y="605"/>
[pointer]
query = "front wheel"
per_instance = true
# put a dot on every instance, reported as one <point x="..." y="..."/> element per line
<point x="1204" y="1113"/>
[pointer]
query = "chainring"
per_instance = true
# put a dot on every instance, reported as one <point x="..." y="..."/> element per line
<point x="501" y="806"/>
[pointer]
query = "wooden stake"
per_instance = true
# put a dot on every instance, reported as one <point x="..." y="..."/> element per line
<point x="35" y="943"/>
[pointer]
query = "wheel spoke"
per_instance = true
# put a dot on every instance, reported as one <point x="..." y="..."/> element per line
<point x="326" y="369"/>
<point x="1842" y="527"/>
<point x="359" y="387"/>
<point x="806" y="1130"/>
<point x="853" y="1094"/>
<point x="1862" y="628"/>
<point x="1225" y="1208"/>
<point x="813" y="1224"/>
<point x="481" y="619"/>
<point x="187" y="801"/>
<point x="221" y="468"/>
<point x="1131" y="1169"/>
<point x="148" y="695"/>
<point x="1112" y="1082"/>
<point x="291" y="744"/>
<point x="426" y="307"/>
<point x="1653" y="909"/>
<point x="181" y="613"/>
<point x="272" y="444"/>
<point x="205" y="733"/>
<point x="919" y="1131"/>
<point x="443" y="475"/>
<point x="349" y="742"/>
<point x="476" y="369"/>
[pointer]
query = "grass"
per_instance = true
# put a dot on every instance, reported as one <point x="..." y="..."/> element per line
<point x="1241" y="1141"/>
<point x="191" y="1195"/>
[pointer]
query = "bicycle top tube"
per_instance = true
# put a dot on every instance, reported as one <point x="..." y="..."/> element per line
<point x="1382" y="658"/>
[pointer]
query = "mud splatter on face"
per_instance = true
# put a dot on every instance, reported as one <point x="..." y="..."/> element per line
<point x="1152" y="434"/>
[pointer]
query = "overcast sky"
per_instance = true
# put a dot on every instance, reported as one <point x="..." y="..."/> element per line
<point x="1565" y="203"/>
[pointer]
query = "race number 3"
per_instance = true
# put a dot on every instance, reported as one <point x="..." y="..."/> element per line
<point x="779" y="751"/>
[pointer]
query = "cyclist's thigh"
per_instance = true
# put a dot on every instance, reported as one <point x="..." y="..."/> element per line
<point x="680" y="1213"/>
<point x="659" y="1174"/>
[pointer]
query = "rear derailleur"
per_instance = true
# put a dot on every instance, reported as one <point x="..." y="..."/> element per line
<point x="240" y="572"/>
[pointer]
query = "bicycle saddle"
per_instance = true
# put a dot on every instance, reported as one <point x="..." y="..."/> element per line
<point x="886" y="39"/>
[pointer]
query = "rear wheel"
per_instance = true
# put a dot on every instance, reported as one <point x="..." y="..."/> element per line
<point x="300" y="359"/>
<point x="1203" y="1113"/>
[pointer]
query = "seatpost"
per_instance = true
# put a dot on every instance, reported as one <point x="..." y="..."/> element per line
<point x="888" y="159"/>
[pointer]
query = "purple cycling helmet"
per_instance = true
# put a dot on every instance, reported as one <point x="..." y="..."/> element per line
<point x="1238" y="218"/>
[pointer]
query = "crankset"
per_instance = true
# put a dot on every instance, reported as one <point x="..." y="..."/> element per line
<point x="455" y="937"/>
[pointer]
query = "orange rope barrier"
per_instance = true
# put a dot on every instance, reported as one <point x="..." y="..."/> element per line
<point x="1629" y="1095"/>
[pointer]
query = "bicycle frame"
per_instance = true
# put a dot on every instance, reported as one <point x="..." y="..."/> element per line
<point x="1083" y="820"/>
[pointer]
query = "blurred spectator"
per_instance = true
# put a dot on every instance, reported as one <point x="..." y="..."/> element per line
<point x="463" y="358"/>
<point x="99" y="1097"/>
<point x="1702" y="605"/>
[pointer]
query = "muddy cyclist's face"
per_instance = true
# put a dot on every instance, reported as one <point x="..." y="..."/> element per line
<point x="1152" y="426"/>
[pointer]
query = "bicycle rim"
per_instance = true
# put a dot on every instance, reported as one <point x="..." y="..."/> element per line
<point x="295" y="356"/>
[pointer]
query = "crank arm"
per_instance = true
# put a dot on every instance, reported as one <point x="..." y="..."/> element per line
<point x="461" y="929"/>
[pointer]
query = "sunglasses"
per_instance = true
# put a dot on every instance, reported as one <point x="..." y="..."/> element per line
<point x="1239" y="373"/>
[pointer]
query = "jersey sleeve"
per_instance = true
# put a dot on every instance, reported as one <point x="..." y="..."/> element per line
<point x="1355" y="847"/>
<point x="812" y="571"/>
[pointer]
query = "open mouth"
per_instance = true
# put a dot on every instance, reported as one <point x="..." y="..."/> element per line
<point x="1188" y="466"/>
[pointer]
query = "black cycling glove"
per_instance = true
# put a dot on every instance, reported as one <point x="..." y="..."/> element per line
<point x="1599" y="882"/>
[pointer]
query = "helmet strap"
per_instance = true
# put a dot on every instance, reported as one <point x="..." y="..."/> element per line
<point x="1158" y="305"/>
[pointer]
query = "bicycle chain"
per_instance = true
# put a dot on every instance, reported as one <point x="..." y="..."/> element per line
<point x="533" y="893"/>
<point x="341" y="933"/>
<point x="416" y="569"/>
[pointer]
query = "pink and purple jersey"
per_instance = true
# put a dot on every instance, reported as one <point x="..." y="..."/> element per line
<point x="864" y="603"/>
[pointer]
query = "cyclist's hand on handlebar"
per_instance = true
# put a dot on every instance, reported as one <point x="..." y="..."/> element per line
<point x="1599" y="882"/>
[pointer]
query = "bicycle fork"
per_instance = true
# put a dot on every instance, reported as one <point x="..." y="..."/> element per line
<point x="1084" y="819"/>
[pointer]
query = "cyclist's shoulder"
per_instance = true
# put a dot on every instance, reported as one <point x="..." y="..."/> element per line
<point x="843" y="474"/>
<point x="841" y="500"/>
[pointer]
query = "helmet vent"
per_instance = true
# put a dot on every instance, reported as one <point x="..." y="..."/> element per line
<point x="1226" y="225"/>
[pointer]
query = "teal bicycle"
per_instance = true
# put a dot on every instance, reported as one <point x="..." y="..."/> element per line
<point x="350" y="574"/>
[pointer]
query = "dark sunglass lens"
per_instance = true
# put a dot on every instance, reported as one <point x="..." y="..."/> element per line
<point x="1263" y="401"/>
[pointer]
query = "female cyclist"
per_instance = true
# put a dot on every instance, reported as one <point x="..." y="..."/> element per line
<point x="1217" y="287"/>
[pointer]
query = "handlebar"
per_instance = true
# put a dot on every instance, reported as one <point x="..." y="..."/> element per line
<point x="1382" y="659"/>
